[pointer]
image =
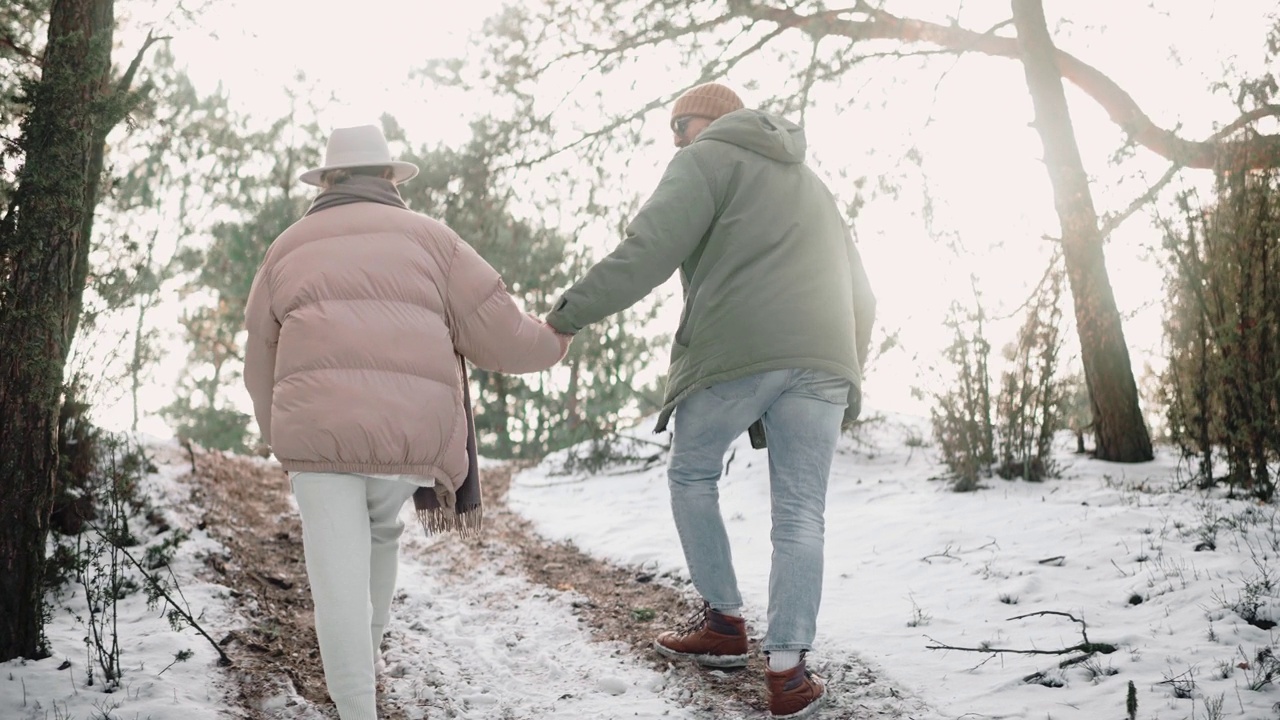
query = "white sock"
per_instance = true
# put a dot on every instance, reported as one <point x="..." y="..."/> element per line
<point x="780" y="660"/>
<point x="731" y="612"/>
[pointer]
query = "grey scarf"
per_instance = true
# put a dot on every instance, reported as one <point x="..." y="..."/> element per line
<point x="438" y="508"/>
<point x="358" y="188"/>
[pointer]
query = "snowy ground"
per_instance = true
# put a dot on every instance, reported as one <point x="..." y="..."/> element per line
<point x="495" y="646"/>
<point x="909" y="564"/>
<point x="152" y="685"/>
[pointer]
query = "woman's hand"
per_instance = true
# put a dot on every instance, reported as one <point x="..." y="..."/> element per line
<point x="565" y="340"/>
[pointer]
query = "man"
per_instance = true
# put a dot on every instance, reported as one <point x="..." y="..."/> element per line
<point x="776" y="324"/>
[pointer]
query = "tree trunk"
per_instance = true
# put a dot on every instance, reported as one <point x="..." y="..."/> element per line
<point x="41" y="243"/>
<point x="1119" y="428"/>
<point x="501" y="415"/>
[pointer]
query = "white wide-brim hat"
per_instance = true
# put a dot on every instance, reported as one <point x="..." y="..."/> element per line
<point x="360" y="146"/>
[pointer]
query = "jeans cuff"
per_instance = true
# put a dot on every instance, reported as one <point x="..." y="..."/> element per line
<point x="786" y="646"/>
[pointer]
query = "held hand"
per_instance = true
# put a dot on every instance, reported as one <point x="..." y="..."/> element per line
<point x="565" y="340"/>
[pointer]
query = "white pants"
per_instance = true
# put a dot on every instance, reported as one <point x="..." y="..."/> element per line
<point x="351" y="534"/>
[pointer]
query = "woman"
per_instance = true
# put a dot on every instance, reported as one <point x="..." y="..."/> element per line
<point x="359" y="319"/>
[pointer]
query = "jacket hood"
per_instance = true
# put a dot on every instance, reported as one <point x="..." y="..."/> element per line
<point x="763" y="133"/>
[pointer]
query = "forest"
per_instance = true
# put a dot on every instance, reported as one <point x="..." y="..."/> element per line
<point x="1069" y="213"/>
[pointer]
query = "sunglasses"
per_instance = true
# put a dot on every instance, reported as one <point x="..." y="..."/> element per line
<point x="681" y="124"/>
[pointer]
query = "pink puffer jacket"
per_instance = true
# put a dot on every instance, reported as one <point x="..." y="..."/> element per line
<point x="355" y="321"/>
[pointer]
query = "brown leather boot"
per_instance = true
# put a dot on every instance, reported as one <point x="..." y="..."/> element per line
<point x="711" y="638"/>
<point x="795" y="693"/>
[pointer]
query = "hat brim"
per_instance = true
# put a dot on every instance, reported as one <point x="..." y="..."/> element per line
<point x="400" y="171"/>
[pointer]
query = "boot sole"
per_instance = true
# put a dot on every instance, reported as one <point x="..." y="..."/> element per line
<point x="808" y="710"/>
<point x="712" y="661"/>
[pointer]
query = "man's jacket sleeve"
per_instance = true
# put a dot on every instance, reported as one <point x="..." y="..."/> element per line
<point x="662" y="235"/>
<point x="864" y="301"/>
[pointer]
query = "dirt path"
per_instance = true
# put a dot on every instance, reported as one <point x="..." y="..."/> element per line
<point x="246" y="507"/>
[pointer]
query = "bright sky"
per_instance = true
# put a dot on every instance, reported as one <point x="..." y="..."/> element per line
<point x="363" y="56"/>
<point x="981" y="157"/>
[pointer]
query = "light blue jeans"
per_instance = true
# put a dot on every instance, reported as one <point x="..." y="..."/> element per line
<point x="802" y="411"/>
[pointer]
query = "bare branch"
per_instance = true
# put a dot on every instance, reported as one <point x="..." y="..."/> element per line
<point x="637" y="41"/>
<point x="865" y="20"/>
<point x="1113" y="221"/>
<point x="605" y="58"/>
<point x="1252" y="153"/>
<point x="22" y="51"/>
<point x="809" y="78"/>
<point x="126" y="80"/>
<point x="708" y="73"/>
<point x="154" y="584"/>
<point x="1247" y="119"/>
<point x="1049" y="270"/>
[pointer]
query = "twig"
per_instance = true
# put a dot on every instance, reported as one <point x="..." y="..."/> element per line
<point x="155" y="584"/>
<point x="1122" y="572"/>
<point x="180" y="656"/>
<point x="646" y="441"/>
<point x="648" y="463"/>
<point x="707" y="75"/>
<point x="191" y="452"/>
<point x="8" y="41"/>
<point x="1111" y="222"/>
<point x="985" y="660"/>
<point x="946" y="553"/>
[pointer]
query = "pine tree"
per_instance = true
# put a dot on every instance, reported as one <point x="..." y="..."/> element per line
<point x="249" y="179"/>
<point x="1223" y="329"/>
<point x="598" y="385"/>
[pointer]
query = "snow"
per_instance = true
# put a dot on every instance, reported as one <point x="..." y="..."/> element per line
<point x="909" y="564"/>
<point x="494" y="646"/>
<point x="153" y="685"/>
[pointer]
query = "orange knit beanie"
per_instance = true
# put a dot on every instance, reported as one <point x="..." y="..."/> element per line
<point x="709" y="100"/>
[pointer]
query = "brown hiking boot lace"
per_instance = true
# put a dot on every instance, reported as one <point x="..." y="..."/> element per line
<point x="696" y="620"/>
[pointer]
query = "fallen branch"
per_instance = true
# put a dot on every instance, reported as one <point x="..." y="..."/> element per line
<point x="1085" y="646"/>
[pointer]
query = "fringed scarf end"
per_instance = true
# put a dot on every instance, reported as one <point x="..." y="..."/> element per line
<point x="467" y="521"/>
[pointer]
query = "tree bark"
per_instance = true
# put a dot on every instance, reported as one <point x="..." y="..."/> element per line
<point x="1119" y="428"/>
<point x="41" y="243"/>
